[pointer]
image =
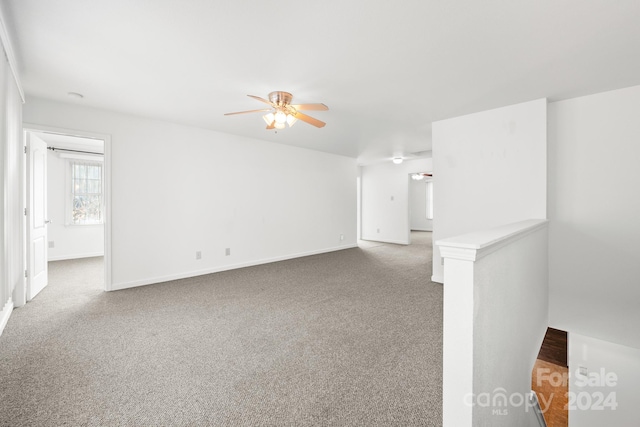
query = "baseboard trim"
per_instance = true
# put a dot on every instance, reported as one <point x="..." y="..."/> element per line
<point x="437" y="279"/>
<point x="5" y="314"/>
<point x="195" y="273"/>
<point x="66" y="257"/>
<point x="395" y="242"/>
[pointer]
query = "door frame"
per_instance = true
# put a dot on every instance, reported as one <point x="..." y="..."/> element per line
<point x="107" y="187"/>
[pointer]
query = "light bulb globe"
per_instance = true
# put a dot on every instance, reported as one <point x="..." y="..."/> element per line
<point x="281" y="117"/>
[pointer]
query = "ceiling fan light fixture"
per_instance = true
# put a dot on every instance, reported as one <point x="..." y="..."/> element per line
<point x="281" y="117"/>
<point x="269" y="118"/>
<point x="283" y="113"/>
<point x="397" y="160"/>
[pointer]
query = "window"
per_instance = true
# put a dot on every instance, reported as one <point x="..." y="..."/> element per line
<point x="429" y="199"/>
<point x="86" y="192"/>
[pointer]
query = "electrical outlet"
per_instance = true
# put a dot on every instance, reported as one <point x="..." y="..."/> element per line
<point x="198" y="255"/>
<point x="392" y="198"/>
<point x="52" y="244"/>
<point x="341" y="237"/>
<point x="227" y="252"/>
<point x="378" y="230"/>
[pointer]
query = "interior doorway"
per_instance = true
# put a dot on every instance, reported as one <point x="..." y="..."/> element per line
<point x="420" y="197"/>
<point x="77" y="200"/>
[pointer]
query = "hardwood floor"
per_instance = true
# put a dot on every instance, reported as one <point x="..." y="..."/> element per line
<point x="550" y="378"/>
<point x="550" y="382"/>
<point x="554" y="347"/>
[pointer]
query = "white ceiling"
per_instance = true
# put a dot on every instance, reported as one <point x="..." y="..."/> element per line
<point x="385" y="69"/>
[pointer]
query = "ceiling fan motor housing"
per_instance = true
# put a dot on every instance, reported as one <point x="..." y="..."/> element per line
<point x="280" y="98"/>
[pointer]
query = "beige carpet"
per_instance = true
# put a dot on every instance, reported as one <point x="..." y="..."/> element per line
<point x="350" y="338"/>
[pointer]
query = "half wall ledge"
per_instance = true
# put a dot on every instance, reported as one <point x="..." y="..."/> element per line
<point x="475" y="245"/>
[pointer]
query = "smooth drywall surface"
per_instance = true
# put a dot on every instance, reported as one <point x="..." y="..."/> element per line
<point x="67" y="241"/>
<point x="495" y="318"/>
<point x="608" y="394"/>
<point x="594" y="209"/>
<point x="178" y="190"/>
<point x="418" y="206"/>
<point x="12" y="157"/>
<point x="489" y="169"/>
<point x="385" y="200"/>
<point x="510" y="320"/>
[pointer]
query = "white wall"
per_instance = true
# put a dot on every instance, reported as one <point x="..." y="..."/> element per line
<point x="418" y="206"/>
<point x="511" y="318"/>
<point x="11" y="191"/>
<point x="385" y="200"/>
<point x="495" y="318"/>
<point x="69" y="241"/>
<point x="594" y="209"/>
<point x="489" y="169"/>
<point x="178" y="189"/>
<point x="613" y="371"/>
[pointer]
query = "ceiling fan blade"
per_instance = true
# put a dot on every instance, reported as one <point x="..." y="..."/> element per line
<point x="271" y="125"/>
<point x="249" y="111"/>
<point x="261" y="100"/>
<point x="309" y="107"/>
<point x="308" y="119"/>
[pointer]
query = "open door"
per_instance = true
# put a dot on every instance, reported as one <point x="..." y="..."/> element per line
<point x="37" y="269"/>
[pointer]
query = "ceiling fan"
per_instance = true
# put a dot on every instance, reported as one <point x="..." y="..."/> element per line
<point x="283" y="112"/>
<point x="420" y="176"/>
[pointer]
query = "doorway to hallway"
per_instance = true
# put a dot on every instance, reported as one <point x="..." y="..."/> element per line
<point x="77" y="205"/>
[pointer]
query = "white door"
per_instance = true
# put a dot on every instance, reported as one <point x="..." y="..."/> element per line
<point x="37" y="269"/>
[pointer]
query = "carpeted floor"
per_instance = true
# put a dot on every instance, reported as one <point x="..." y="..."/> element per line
<point x="349" y="338"/>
